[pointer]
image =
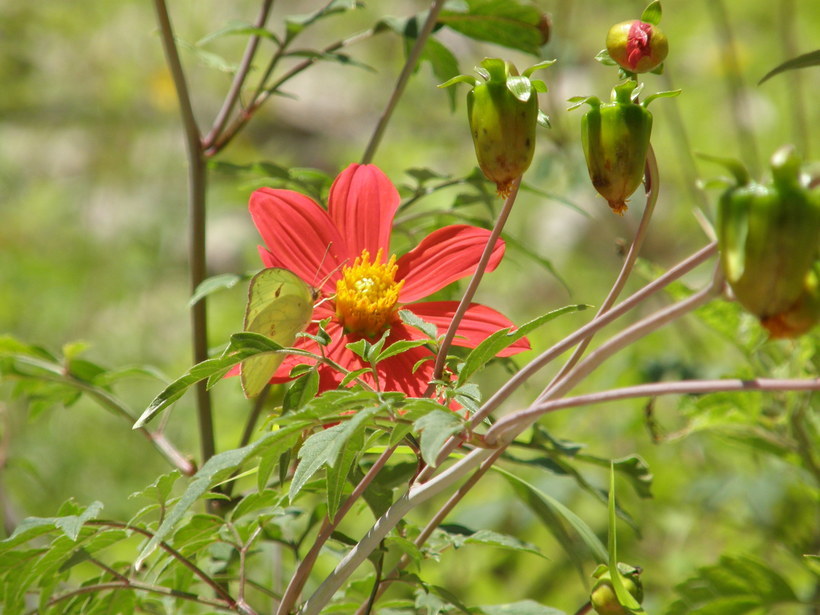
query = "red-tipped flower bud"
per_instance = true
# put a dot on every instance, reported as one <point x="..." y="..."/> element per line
<point x="637" y="46"/>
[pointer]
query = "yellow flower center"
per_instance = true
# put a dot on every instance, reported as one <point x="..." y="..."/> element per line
<point x="367" y="295"/>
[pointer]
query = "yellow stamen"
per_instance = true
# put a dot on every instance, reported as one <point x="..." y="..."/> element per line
<point x="367" y="295"/>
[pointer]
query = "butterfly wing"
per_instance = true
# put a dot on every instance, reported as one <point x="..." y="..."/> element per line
<point x="279" y="306"/>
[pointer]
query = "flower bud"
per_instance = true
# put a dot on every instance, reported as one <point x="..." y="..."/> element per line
<point x="637" y="46"/>
<point x="603" y="597"/>
<point x="615" y="137"/>
<point x="503" y="113"/>
<point x="769" y="239"/>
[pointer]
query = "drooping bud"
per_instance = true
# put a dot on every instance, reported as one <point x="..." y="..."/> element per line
<point x="637" y="46"/>
<point x="503" y="113"/>
<point x="615" y="137"/>
<point x="603" y="597"/>
<point x="769" y="239"/>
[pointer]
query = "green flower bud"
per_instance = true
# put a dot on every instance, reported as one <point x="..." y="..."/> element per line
<point x="637" y="46"/>
<point x="615" y="137"/>
<point x="503" y="113"/>
<point x="603" y="597"/>
<point x="769" y="239"/>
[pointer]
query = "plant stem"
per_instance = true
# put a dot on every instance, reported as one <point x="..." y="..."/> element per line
<point x="422" y="491"/>
<point x="196" y="231"/>
<point x="300" y="576"/>
<point x="441" y="357"/>
<point x="401" y="83"/>
<point x="239" y="79"/>
<point x="652" y="189"/>
<point x="568" y="342"/>
<point x="247" y="113"/>
<point x="204" y="577"/>
<point x="654" y="389"/>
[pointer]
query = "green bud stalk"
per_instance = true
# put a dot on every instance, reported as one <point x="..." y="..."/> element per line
<point x="769" y="239"/>
<point x="503" y="114"/>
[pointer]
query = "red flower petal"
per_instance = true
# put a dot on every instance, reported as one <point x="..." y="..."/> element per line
<point x="478" y="324"/>
<point x="444" y="256"/>
<point x="300" y="236"/>
<point x="362" y="204"/>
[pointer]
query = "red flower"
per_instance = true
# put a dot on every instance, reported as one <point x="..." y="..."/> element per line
<point x="345" y="249"/>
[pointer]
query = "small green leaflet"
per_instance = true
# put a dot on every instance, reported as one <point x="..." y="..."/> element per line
<point x="279" y="306"/>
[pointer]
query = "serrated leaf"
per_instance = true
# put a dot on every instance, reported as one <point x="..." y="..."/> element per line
<point x="238" y="29"/>
<point x="70" y="525"/>
<point x="323" y="448"/>
<point x="216" y="466"/>
<point x="398" y="348"/>
<point x="504" y="338"/>
<point x="812" y="58"/>
<point x="411" y="320"/>
<point x="242" y="346"/>
<point x="338" y="472"/>
<point x="301" y="391"/>
<point x="435" y="427"/>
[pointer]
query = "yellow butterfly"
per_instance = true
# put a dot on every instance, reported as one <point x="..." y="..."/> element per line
<point x="279" y="306"/>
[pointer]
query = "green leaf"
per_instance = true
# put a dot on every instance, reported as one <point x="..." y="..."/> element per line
<point x="460" y="536"/>
<point x="502" y="339"/>
<point x="524" y="607"/>
<point x="734" y="586"/>
<point x="213" y="469"/>
<point x="812" y="58"/>
<point x="301" y="391"/>
<point x="398" y="348"/>
<point x="337" y="473"/>
<point x="550" y="510"/>
<point x="160" y="489"/>
<point x="621" y="592"/>
<point x="504" y="22"/>
<point x="242" y="346"/>
<point x="652" y="13"/>
<point x="69" y="524"/>
<point x="443" y="63"/>
<point x="411" y="320"/>
<point x="323" y="448"/>
<point x="435" y="427"/>
<point x="216" y="283"/>
<point x="520" y="87"/>
<point x="241" y="29"/>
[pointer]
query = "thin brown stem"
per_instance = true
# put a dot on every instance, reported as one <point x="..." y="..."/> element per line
<point x="242" y="118"/>
<point x="401" y="83"/>
<point x="203" y="576"/>
<point x="441" y="357"/>
<point x="239" y="78"/>
<point x="196" y="232"/>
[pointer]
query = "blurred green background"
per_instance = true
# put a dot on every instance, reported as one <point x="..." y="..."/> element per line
<point x="93" y="247"/>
